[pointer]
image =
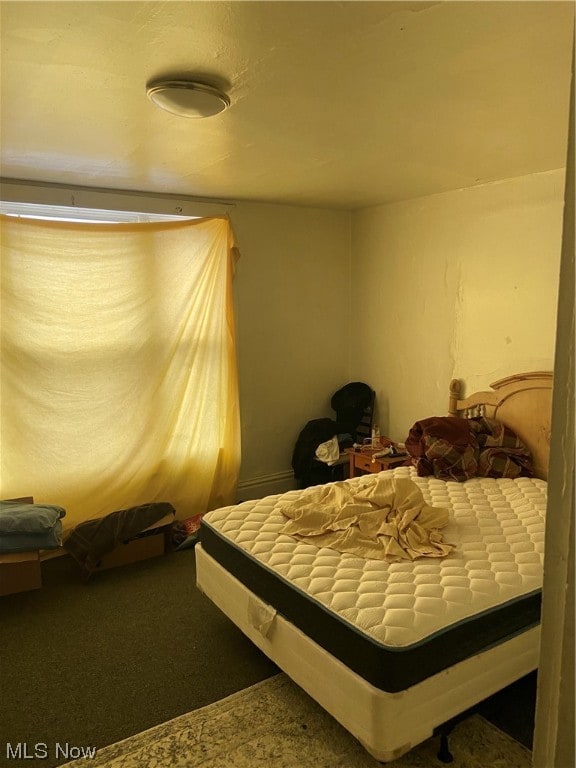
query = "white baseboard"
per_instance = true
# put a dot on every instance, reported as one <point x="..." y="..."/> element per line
<point x="265" y="485"/>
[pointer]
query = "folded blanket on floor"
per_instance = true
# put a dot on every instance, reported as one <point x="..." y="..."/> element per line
<point x="93" y="539"/>
<point x="385" y="520"/>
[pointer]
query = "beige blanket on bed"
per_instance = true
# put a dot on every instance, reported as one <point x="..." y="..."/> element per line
<point x="385" y="520"/>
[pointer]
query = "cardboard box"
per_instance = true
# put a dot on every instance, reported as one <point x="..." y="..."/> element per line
<point x="19" y="572"/>
<point x="153" y="541"/>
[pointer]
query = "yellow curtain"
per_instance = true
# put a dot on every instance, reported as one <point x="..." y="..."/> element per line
<point x="118" y="377"/>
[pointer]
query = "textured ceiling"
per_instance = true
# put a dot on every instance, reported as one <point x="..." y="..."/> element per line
<point x="334" y="104"/>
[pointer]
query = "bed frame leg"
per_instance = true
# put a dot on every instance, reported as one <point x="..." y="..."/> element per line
<point x="444" y="754"/>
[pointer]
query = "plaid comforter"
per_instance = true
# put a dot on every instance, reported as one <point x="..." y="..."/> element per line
<point x="451" y="448"/>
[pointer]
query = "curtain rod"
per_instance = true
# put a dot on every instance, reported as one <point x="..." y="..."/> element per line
<point x="44" y="193"/>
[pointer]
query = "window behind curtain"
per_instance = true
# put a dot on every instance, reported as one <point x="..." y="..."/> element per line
<point x="118" y="378"/>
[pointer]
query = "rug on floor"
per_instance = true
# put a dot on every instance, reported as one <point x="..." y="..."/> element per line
<point x="274" y="724"/>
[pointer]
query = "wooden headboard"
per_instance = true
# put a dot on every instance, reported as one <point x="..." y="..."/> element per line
<point x="522" y="402"/>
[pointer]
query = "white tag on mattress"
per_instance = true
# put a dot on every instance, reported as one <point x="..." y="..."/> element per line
<point x="260" y="615"/>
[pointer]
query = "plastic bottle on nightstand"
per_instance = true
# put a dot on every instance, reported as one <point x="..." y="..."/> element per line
<point x="376" y="437"/>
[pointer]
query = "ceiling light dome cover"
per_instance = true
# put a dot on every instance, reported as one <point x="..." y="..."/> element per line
<point x="187" y="98"/>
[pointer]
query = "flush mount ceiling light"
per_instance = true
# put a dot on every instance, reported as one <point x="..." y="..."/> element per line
<point x="187" y="98"/>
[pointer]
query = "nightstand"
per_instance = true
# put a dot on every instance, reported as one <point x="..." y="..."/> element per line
<point x="362" y="463"/>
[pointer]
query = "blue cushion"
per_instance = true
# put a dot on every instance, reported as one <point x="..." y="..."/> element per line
<point x="25" y="542"/>
<point x="18" y="518"/>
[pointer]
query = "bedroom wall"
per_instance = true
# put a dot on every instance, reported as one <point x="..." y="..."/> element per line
<point x="462" y="284"/>
<point x="292" y="299"/>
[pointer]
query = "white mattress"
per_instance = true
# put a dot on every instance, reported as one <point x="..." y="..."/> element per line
<point x="399" y="653"/>
<point x="387" y="724"/>
<point x="497" y="527"/>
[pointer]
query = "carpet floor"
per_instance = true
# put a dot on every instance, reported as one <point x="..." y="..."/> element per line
<point x="274" y="724"/>
<point x="95" y="663"/>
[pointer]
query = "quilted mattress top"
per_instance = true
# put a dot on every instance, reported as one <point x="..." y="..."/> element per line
<point x="497" y="527"/>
